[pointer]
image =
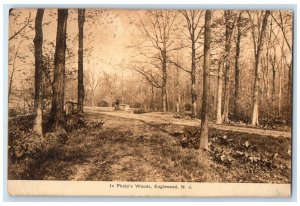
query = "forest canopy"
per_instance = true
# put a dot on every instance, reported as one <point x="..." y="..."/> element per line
<point x="153" y="59"/>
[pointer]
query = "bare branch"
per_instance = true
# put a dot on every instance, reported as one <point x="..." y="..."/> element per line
<point x="179" y="66"/>
<point x="22" y="28"/>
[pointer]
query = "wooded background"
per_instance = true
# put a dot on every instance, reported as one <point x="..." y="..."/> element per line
<point x="153" y="59"/>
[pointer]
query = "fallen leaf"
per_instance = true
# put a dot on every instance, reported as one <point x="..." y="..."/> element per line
<point x="239" y="153"/>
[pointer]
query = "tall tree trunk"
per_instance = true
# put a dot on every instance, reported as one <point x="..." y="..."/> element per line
<point x="280" y="75"/>
<point x="164" y="98"/>
<point x="228" y="33"/>
<point x="93" y="95"/>
<point x="122" y="85"/>
<point x="57" y="109"/>
<point x="152" y="97"/>
<point x="290" y="84"/>
<point x="204" y="115"/>
<point x="164" y="80"/>
<point x="256" y="96"/>
<point x="219" y="94"/>
<point x="279" y="94"/>
<point x="174" y="91"/>
<point x="193" y="79"/>
<point x="273" y="87"/>
<point x="226" y="94"/>
<point x="267" y="61"/>
<point x="237" y="67"/>
<point x="167" y="99"/>
<point x="38" y="79"/>
<point x="177" y="89"/>
<point x="178" y="104"/>
<point x="80" y="98"/>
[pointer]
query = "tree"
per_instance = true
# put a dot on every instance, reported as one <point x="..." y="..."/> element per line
<point x="14" y="66"/>
<point x="157" y="27"/>
<point x="192" y="18"/>
<point x="206" y="75"/>
<point x="57" y="108"/>
<point x="92" y="79"/>
<point x="80" y="99"/>
<point x="258" y="41"/>
<point x="21" y="29"/>
<point x="110" y="87"/>
<point x="38" y="54"/>
<point x="285" y="25"/>
<point x="241" y="30"/>
<point x="177" y="88"/>
<point x="219" y="93"/>
<point x="225" y="64"/>
<point x="273" y="61"/>
<point x="229" y="17"/>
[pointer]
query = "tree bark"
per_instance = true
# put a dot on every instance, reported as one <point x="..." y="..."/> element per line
<point x="273" y="85"/>
<point x="290" y="84"/>
<point x="38" y="79"/>
<point x="193" y="78"/>
<point x="57" y="109"/>
<point x="237" y="67"/>
<point x="228" y="34"/>
<point x="177" y="89"/>
<point x="279" y="94"/>
<point x="152" y="97"/>
<point x="164" y="80"/>
<point x="267" y="61"/>
<point x="256" y="96"/>
<point x="204" y="115"/>
<point x="93" y="95"/>
<point x="219" y="95"/>
<point x="80" y="98"/>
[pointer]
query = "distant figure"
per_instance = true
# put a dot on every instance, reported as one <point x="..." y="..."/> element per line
<point x="117" y="104"/>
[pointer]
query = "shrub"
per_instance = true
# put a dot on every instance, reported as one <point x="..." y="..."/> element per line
<point x="21" y="123"/>
<point x="187" y="107"/>
<point x="137" y="105"/>
<point x="28" y="145"/>
<point x="141" y="110"/>
<point x="73" y="122"/>
<point x="102" y="104"/>
<point x="12" y="113"/>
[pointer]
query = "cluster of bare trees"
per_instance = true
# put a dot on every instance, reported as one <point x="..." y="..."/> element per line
<point x="223" y="64"/>
<point x="165" y="33"/>
<point x="234" y="33"/>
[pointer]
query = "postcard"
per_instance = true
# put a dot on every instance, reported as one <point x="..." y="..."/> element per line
<point x="115" y="102"/>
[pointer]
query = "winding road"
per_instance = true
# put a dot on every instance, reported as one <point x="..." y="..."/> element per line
<point x="159" y="118"/>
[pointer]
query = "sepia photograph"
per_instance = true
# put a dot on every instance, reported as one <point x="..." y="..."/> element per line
<point x="159" y="101"/>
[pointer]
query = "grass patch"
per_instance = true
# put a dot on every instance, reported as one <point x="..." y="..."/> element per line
<point x="131" y="150"/>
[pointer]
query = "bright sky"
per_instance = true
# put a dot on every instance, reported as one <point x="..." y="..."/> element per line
<point x="107" y="33"/>
<point x="107" y="37"/>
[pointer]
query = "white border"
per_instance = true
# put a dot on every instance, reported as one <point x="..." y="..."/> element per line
<point x="296" y="94"/>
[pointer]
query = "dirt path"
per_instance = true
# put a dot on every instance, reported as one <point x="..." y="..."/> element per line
<point x="158" y="118"/>
<point x="137" y="148"/>
<point x="121" y="151"/>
